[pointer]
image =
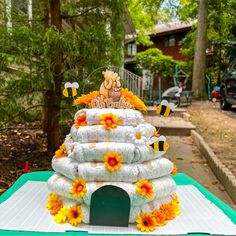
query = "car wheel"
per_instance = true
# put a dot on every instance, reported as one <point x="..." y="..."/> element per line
<point x="224" y="105"/>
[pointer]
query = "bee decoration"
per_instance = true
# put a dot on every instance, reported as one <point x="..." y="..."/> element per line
<point x="159" y="143"/>
<point x="165" y="108"/>
<point x="70" y="89"/>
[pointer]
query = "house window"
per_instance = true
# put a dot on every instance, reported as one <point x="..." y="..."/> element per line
<point x="132" y="49"/>
<point x="169" y="41"/>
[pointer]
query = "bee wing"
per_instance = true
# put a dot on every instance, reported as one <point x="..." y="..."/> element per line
<point x="164" y="102"/>
<point x="75" y="85"/>
<point x="67" y="85"/>
<point x="152" y="140"/>
<point x="172" y="106"/>
<point x="162" y="138"/>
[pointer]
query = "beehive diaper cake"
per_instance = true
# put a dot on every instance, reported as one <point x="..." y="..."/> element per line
<point x="110" y="170"/>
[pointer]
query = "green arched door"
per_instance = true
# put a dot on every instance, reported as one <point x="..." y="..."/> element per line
<point x="110" y="206"/>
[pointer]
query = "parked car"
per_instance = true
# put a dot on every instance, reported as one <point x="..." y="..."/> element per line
<point x="228" y="91"/>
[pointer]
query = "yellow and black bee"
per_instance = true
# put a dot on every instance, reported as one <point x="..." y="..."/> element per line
<point x="165" y="108"/>
<point x="70" y="89"/>
<point x="159" y="143"/>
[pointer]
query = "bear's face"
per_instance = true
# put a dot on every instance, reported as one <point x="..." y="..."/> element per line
<point x="107" y="74"/>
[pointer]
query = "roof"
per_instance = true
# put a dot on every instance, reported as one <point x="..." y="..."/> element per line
<point x="174" y="26"/>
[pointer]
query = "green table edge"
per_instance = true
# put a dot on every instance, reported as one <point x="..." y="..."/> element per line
<point x="180" y="179"/>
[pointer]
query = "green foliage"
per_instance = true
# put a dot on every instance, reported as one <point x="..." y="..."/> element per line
<point x="154" y="60"/>
<point x="145" y="15"/>
<point x="30" y="49"/>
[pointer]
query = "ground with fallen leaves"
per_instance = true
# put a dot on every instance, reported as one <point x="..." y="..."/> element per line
<point x="218" y="128"/>
<point x="18" y="144"/>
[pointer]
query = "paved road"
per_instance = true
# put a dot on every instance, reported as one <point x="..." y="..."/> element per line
<point x="186" y="156"/>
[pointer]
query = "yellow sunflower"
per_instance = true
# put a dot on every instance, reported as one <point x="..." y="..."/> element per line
<point x="61" y="216"/>
<point x="109" y="121"/>
<point x="78" y="188"/>
<point x="75" y="215"/>
<point x="61" y="152"/>
<point x="145" y="188"/>
<point x="146" y="222"/>
<point x="112" y="161"/>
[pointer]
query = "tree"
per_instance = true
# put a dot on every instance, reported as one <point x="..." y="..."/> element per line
<point x="199" y="64"/>
<point x="158" y="63"/>
<point x="48" y="53"/>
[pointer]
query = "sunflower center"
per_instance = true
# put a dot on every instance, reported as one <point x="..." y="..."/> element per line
<point x="138" y="135"/>
<point x="144" y="189"/>
<point x="79" y="188"/>
<point x="112" y="161"/>
<point x="75" y="214"/>
<point x="145" y="222"/>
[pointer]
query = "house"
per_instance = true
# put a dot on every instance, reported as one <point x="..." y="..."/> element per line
<point x="169" y="39"/>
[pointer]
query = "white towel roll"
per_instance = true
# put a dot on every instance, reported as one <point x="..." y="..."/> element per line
<point x="164" y="186"/>
<point x="97" y="133"/>
<point x="126" y="117"/>
<point x="94" y="171"/>
<point x="130" y="153"/>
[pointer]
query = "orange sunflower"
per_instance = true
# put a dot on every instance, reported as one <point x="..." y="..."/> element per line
<point x="109" y="121"/>
<point x="135" y="101"/>
<point x="54" y="204"/>
<point x="78" y="188"/>
<point x="80" y="121"/>
<point x="160" y="217"/>
<point x="145" y="188"/>
<point x="61" y="152"/>
<point x="146" y="222"/>
<point x="168" y="210"/>
<point x="174" y="170"/>
<point x="113" y="161"/>
<point x="75" y="215"/>
<point x="86" y="99"/>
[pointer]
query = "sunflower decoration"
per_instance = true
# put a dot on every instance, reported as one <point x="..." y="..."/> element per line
<point x="75" y="215"/>
<point x="61" y="152"/>
<point x="160" y="217"/>
<point x="168" y="210"/>
<point x="174" y="170"/>
<point x="86" y="99"/>
<point x="61" y="216"/>
<point x="145" y="188"/>
<point x="109" y="121"/>
<point x="78" y="188"/>
<point x="138" y="136"/>
<point x="135" y="101"/>
<point x="175" y="205"/>
<point x="146" y="222"/>
<point x="113" y="161"/>
<point x="80" y="121"/>
<point x="54" y="204"/>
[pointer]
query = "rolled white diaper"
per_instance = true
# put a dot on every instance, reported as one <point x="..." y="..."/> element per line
<point x="97" y="133"/>
<point x="126" y="117"/>
<point x="94" y="171"/>
<point x="129" y="152"/>
<point x="61" y="185"/>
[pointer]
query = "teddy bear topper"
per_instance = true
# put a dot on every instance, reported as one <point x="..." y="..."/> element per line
<point x="110" y="95"/>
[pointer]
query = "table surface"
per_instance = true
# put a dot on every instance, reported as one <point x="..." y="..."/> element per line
<point x="180" y="179"/>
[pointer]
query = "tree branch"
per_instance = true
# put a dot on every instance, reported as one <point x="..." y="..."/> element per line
<point x="82" y="13"/>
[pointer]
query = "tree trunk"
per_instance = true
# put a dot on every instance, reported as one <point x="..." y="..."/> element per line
<point x="199" y="66"/>
<point x="44" y="118"/>
<point x="54" y="93"/>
